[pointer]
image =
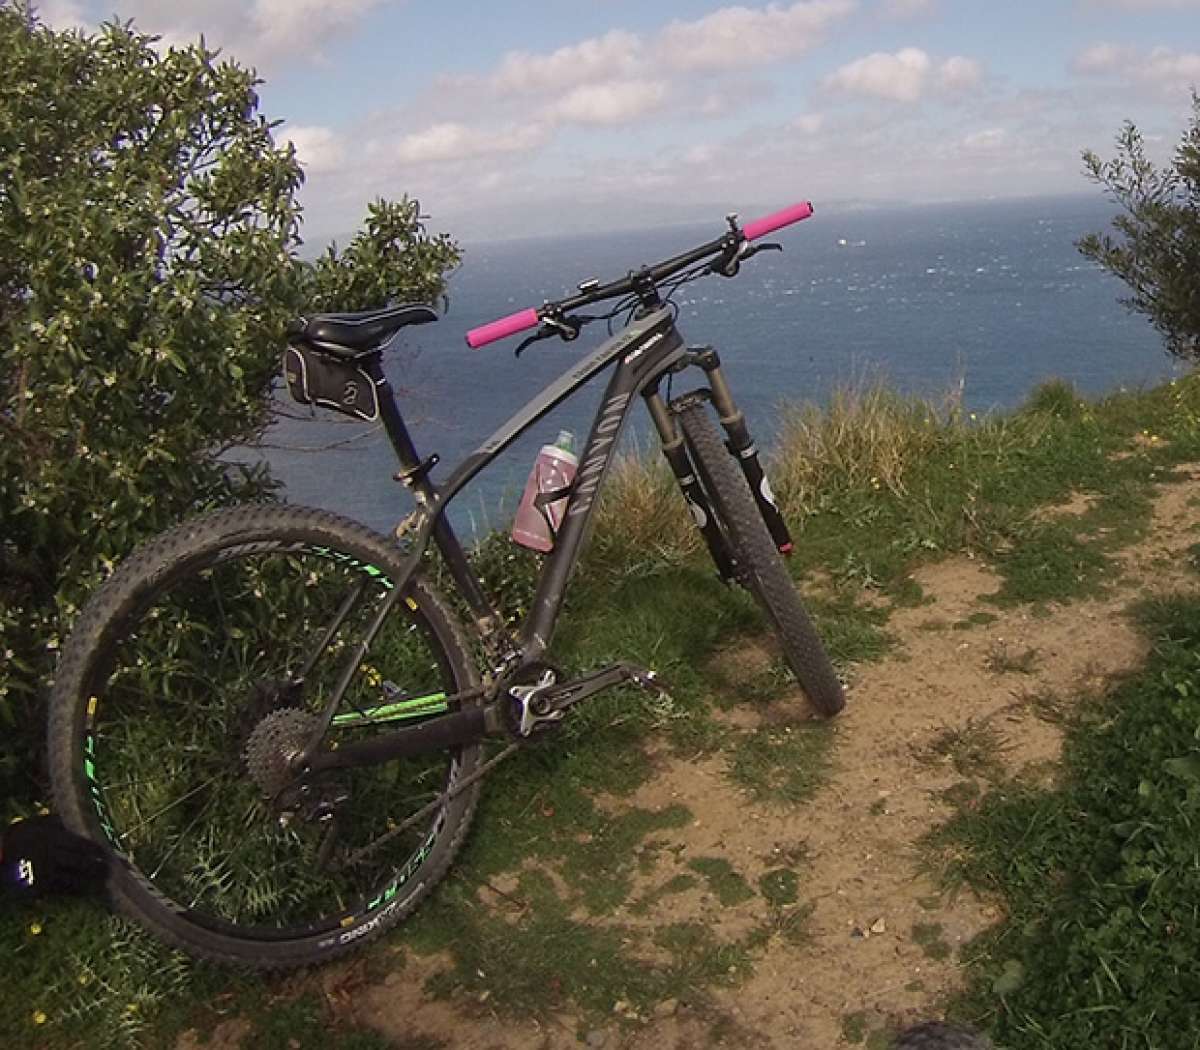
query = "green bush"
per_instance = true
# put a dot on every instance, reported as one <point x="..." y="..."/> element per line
<point x="1057" y="398"/>
<point x="1158" y="251"/>
<point x="149" y="228"/>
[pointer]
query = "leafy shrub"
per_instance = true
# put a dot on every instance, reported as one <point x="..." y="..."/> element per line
<point x="1158" y="251"/>
<point x="1057" y="398"/>
<point x="149" y="226"/>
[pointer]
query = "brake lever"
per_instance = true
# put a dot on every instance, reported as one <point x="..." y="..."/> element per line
<point x="528" y="341"/>
<point x="730" y="263"/>
<point x="566" y="329"/>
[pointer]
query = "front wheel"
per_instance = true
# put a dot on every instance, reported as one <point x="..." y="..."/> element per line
<point x="193" y="677"/>
<point x="758" y="564"/>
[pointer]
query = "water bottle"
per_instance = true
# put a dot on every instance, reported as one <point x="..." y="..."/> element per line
<point x="538" y="518"/>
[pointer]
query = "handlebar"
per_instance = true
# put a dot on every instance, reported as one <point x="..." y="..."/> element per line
<point x="729" y="245"/>
<point x="777" y="220"/>
<point x="503" y="327"/>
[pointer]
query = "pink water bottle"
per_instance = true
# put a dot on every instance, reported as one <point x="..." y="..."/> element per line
<point x="540" y="513"/>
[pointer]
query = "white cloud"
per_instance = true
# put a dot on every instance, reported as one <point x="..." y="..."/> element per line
<point x="730" y="94"/>
<point x="737" y="37"/>
<point x="899" y="77"/>
<point x="452" y="141"/>
<point x="809" y="123"/>
<point x="959" y="74"/>
<point x="907" y="8"/>
<point x="733" y="37"/>
<point x="63" y="14"/>
<point x="701" y="156"/>
<point x="318" y="148"/>
<point x="617" y="102"/>
<point x="599" y="58"/>
<point x="255" y="32"/>
<point x="1172" y="70"/>
<point x="986" y="140"/>
<point x="284" y="26"/>
<point x="1144" y="5"/>
<point x="1161" y="70"/>
<point x="905" y="75"/>
<point x="1101" y="58"/>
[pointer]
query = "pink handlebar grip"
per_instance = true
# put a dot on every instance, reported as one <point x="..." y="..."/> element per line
<point x="771" y="223"/>
<point x="493" y="330"/>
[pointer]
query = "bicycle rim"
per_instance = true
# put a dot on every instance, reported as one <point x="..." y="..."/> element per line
<point x="189" y="715"/>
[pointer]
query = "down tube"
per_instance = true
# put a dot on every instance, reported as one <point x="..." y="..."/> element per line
<point x="597" y="455"/>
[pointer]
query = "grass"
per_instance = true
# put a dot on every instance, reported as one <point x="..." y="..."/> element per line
<point x="724" y="883"/>
<point x="1002" y="659"/>
<point x="883" y="483"/>
<point x="874" y="485"/>
<point x="1099" y="875"/>
<point x="972" y="749"/>
<point x="781" y="763"/>
<point x="928" y="936"/>
<point x="780" y="886"/>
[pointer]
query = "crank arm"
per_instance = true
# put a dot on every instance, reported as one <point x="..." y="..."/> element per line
<point x="568" y="694"/>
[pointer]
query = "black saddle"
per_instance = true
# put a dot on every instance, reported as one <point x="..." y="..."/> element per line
<point x="352" y="335"/>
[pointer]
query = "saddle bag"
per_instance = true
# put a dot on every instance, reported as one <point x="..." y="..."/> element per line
<point x="314" y="378"/>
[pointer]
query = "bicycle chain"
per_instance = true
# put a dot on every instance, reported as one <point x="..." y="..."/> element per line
<point x="359" y="855"/>
<point x="563" y="697"/>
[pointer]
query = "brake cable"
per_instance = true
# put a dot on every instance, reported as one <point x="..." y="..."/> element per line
<point x="567" y="328"/>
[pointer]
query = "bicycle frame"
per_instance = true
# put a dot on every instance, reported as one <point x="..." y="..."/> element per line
<point x="649" y="347"/>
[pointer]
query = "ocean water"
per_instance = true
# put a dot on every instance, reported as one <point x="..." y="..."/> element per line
<point x="991" y="295"/>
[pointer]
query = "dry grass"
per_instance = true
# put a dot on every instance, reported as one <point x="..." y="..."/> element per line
<point x="641" y="515"/>
<point x="868" y="435"/>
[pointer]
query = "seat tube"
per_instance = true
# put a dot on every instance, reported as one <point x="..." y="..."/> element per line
<point x="681" y="466"/>
<point x="415" y="476"/>
<point x="743" y="449"/>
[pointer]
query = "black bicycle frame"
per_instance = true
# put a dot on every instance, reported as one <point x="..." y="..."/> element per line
<point x="646" y="349"/>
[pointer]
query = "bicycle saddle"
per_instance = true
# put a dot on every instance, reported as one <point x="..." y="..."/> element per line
<point x="353" y="334"/>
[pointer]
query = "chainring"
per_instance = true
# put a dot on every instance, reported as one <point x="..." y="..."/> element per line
<point x="510" y="710"/>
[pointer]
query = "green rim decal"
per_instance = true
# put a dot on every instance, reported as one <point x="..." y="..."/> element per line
<point x="372" y="571"/>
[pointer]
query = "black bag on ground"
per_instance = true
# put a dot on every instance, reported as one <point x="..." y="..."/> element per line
<point x="314" y="378"/>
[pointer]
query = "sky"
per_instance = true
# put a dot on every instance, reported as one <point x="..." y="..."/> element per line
<point x="552" y="116"/>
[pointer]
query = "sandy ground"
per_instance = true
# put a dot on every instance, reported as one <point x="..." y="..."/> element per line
<point x="862" y="876"/>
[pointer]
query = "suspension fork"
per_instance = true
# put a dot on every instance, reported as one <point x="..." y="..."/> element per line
<point x="741" y="446"/>
<point x="681" y="466"/>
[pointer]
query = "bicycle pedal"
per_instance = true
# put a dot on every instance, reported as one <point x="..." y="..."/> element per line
<point x="646" y="678"/>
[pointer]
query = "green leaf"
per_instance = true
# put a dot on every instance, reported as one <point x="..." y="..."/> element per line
<point x="1010" y="978"/>
<point x="1186" y="768"/>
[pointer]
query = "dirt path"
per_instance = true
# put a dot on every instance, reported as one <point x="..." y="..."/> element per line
<point x="960" y="693"/>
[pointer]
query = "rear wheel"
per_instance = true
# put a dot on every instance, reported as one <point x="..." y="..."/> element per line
<point x="758" y="564"/>
<point x="193" y="675"/>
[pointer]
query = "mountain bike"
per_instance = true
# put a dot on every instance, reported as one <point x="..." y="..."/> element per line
<point x="277" y="723"/>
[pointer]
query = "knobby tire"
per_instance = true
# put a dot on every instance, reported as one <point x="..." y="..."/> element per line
<point x="759" y="565"/>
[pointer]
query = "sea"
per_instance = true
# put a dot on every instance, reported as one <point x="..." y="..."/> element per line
<point x="984" y="300"/>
